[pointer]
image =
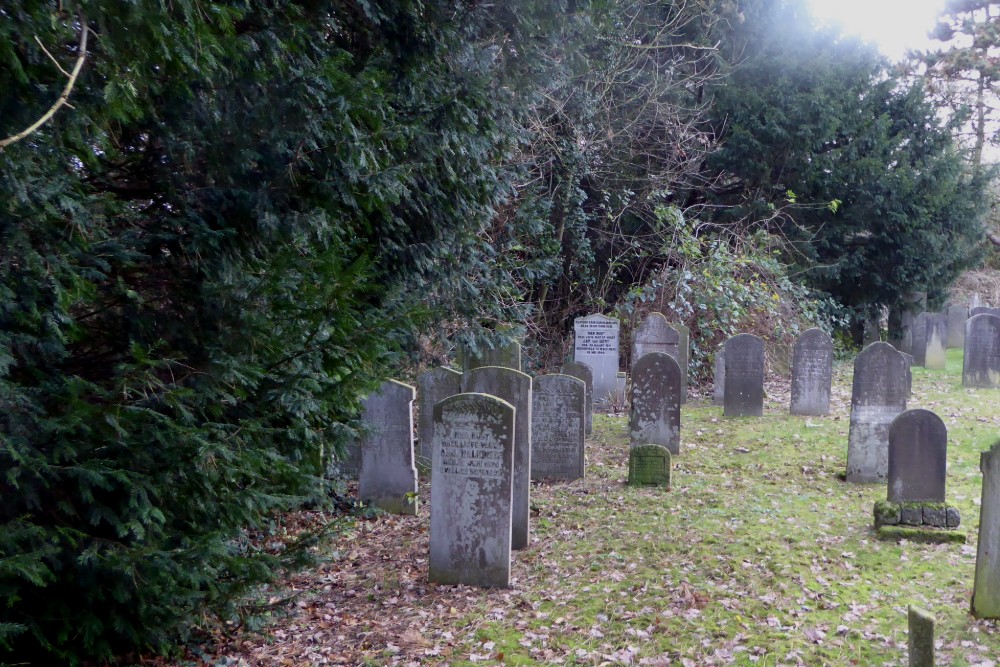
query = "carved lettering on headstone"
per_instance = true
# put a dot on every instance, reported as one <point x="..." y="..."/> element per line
<point x="596" y="344"/>
<point x="812" y="373"/>
<point x="557" y="427"/>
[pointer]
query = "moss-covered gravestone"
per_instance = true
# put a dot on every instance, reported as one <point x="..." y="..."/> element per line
<point x="649" y="465"/>
<point x="986" y="590"/>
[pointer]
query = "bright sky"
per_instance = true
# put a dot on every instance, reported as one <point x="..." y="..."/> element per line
<point x="893" y="25"/>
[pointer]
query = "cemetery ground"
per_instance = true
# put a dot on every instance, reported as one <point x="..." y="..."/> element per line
<point x="760" y="554"/>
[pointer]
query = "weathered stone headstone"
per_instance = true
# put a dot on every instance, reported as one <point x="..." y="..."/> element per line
<point x="433" y="386"/>
<point x="471" y="474"/>
<point x="654" y="335"/>
<point x="918" y="338"/>
<point x="921" y="637"/>
<point x="505" y="356"/>
<point x="918" y="457"/>
<point x="596" y="344"/>
<point x="719" y="379"/>
<point x="984" y="310"/>
<point x="558" y="421"/>
<point x="649" y="465"/>
<point x="878" y="394"/>
<point x="957" y="314"/>
<point x="870" y="330"/>
<point x="514" y="387"/>
<point x="388" y="478"/>
<point x="812" y="373"/>
<point x="744" y="387"/>
<point x="912" y="304"/>
<point x="656" y="402"/>
<point x="986" y="590"/>
<point x="583" y="372"/>
<point x="935" y="357"/>
<point x="683" y="357"/>
<point x="981" y="364"/>
<point x="348" y="465"/>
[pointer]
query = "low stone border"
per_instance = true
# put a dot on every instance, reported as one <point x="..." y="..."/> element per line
<point x="934" y="515"/>
<point x="914" y="534"/>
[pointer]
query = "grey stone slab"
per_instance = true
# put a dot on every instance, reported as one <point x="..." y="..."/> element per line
<point x="921" y="637"/>
<point x="919" y="339"/>
<point x="656" y="402"/>
<point x="957" y="314"/>
<point x="812" y="373"/>
<point x="744" y="386"/>
<point x="472" y="477"/>
<point x="558" y="424"/>
<point x="913" y="303"/>
<point x="879" y="392"/>
<point x="596" y="343"/>
<point x="585" y="373"/>
<point x="918" y="457"/>
<point x="388" y="476"/>
<point x="649" y="465"/>
<point x="986" y="589"/>
<point x="654" y="334"/>
<point x="505" y="356"/>
<point x="719" y="380"/>
<point x="981" y="362"/>
<point x="936" y="338"/>
<point x="935" y="516"/>
<point x="683" y="357"/>
<point x="433" y="386"/>
<point x="515" y="388"/>
<point x="911" y="515"/>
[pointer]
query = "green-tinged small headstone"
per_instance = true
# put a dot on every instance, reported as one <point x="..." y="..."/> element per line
<point x="921" y="638"/>
<point x="649" y="465"/>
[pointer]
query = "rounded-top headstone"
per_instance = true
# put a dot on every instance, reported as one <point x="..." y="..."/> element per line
<point x="433" y="386"/>
<point x="656" y="402"/>
<point x="879" y="392"/>
<point x="981" y="363"/>
<point x="918" y="457"/>
<point x="812" y="373"/>
<point x="744" y="386"/>
<point x="654" y="334"/>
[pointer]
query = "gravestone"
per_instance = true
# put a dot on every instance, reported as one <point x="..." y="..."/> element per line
<point x="649" y="465"/>
<point x="918" y="457"/>
<point x="920" y="642"/>
<point x="583" y="372"/>
<point x="558" y="421"/>
<point x="981" y="363"/>
<point x="984" y="310"/>
<point x="433" y="386"/>
<point x="744" y="387"/>
<point x="388" y="477"/>
<point x="656" y="403"/>
<point x="348" y="466"/>
<point x="878" y="394"/>
<point x="513" y="387"/>
<point x="937" y="338"/>
<point x="505" y="356"/>
<point x="596" y="344"/>
<point x="719" y="380"/>
<point x="986" y="590"/>
<point x="812" y="373"/>
<point x="654" y="335"/>
<point x="901" y="335"/>
<point x="870" y="330"/>
<point x="918" y="335"/>
<point x="472" y="476"/>
<point x="957" y="314"/>
<point x="683" y="357"/>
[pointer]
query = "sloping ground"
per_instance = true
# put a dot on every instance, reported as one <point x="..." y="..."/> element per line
<point x="759" y="555"/>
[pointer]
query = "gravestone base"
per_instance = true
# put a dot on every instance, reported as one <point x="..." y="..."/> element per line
<point x="649" y="465"/>
<point x="921" y="534"/>
<point x="916" y="514"/>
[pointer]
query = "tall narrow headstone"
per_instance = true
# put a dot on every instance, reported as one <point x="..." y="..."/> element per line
<point x="656" y="402"/>
<point x="654" y="335"/>
<point x="505" y="356"/>
<point x="471" y="474"/>
<point x="558" y="421"/>
<point x="683" y="356"/>
<point x="433" y="386"/>
<point x="937" y="338"/>
<point x="918" y="335"/>
<point x="981" y="363"/>
<point x="918" y="457"/>
<point x="812" y="373"/>
<point x="878" y="394"/>
<point x="583" y="372"/>
<point x="719" y="379"/>
<point x="348" y="464"/>
<point x="388" y="478"/>
<point x="901" y="320"/>
<point x="957" y="314"/>
<point x="986" y="591"/>
<point x="921" y="637"/>
<point x="596" y="344"/>
<point x="514" y="387"/>
<point x="744" y="389"/>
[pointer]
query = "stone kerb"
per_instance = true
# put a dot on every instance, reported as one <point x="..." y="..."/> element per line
<point x="649" y="465"/>
<point x="935" y="357"/>
<point x="812" y="373"/>
<point x="744" y="385"/>
<point x="433" y="386"/>
<point x="986" y="589"/>
<point x="557" y="427"/>
<point x="656" y="408"/>
<point x="472" y="477"/>
<point x="879" y="392"/>
<point x="654" y="334"/>
<point x="596" y="343"/>
<point x="583" y="372"/>
<point x="388" y="476"/>
<point x="515" y="388"/>
<point x="958" y="313"/>
<point x="981" y="363"/>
